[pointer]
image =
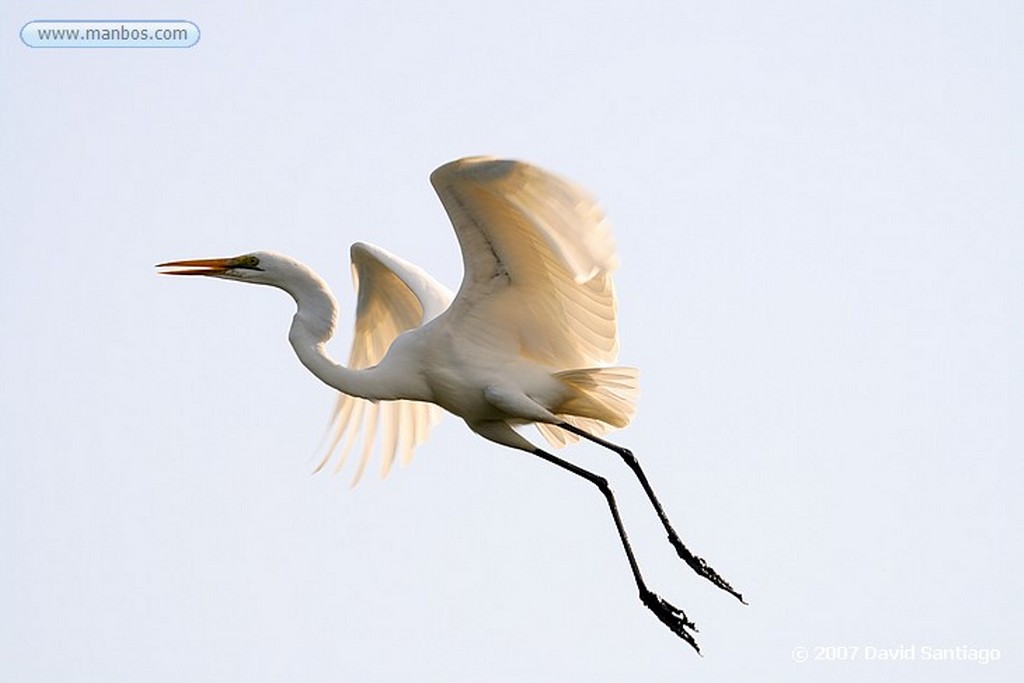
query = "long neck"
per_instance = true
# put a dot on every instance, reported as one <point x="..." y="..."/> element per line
<point x="313" y="325"/>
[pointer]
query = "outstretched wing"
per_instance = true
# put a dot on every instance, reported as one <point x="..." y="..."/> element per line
<point x="393" y="296"/>
<point x="538" y="256"/>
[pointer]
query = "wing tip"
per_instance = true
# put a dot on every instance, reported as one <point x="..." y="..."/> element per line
<point x="479" y="167"/>
<point x="359" y="250"/>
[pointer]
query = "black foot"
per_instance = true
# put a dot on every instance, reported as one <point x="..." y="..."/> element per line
<point x="671" y="616"/>
<point x="703" y="568"/>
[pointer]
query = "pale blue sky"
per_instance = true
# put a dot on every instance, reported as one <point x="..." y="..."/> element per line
<point x="818" y="209"/>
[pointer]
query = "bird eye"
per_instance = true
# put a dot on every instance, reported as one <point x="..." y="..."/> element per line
<point x="252" y="261"/>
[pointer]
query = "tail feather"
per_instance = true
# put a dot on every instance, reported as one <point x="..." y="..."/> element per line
<point x="600" y="400"/>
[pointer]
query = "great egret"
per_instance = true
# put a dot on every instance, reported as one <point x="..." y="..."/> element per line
<point x="530" y="337"/>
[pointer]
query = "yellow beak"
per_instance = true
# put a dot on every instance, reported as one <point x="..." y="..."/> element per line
<point x="202" y="266"/>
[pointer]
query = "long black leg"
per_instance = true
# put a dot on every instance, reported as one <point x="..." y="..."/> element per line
<point x="669" y="615"/>
<point x="696" y="563"/>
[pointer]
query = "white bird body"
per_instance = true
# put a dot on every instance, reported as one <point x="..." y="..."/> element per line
<point x="530" y="337"/>
<point x="474" y="371"/>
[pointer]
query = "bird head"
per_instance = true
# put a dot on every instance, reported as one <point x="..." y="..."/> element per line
<point x="276" y="270"/>
<point x="260" y="267"/>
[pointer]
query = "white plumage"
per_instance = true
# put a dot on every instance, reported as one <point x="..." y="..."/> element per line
<point x="530" y="337"/>
<point x="536" y="293"/>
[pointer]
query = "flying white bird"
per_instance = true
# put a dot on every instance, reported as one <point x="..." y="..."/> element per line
<point x="530" y="337"/>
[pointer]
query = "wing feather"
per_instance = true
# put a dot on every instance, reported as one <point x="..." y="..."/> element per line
<point x="538" y="257"/>
<point x="390" y="437"/>
<point x="392" y="296"/>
